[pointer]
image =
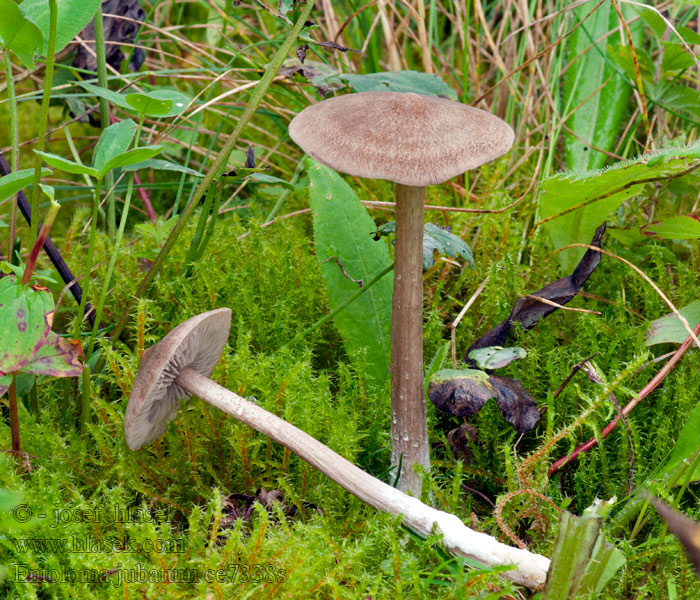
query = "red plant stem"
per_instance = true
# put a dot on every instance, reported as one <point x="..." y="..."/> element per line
<point x="40" y="240"/>
<point x="14" y="418"/>
<point x="145" y="198"/>
<point x="648" y="388"/>
<point x="143" y="193"/>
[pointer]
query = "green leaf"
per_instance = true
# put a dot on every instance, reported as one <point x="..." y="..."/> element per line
<point x="342" y="234"/>
<point x="680" y="98"/>
<point x="687" y="444"/>
<point x="67" y="165"/>
<point x="145" y="105"/>
<point x="56" y="358"/>
<point x="582" y="562"/>
<point x="265" y="178"/>
<point x="156" y="103"/>
<point x="5" y="382"/>
<point x="435" y="239"/>
<point x="100" y="92"/>
<point x="18" y="34"/>
<point x="443" y="241"/>
<point x="73" y="15"/>
<point x="161" y="165"/>
<point x="26" y="314"/>
<point x="681" y="227"/>
<point x="595" y="94"/>
<point x="132" y="157"/>
<point x="114" y="141"/>
<point x="676" y="57"/>
<point x="496" y="357"/>
<point x="602" y="192"/>
<point x="14" y="182"/>
<point x="401" y="81"/>
<point x="669" y="329"/>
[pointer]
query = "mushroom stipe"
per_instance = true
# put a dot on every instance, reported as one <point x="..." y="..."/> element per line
<point x="180" y="365"/>
<point x="414" y="141"/>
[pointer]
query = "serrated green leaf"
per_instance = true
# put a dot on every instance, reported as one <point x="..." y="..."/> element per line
<point x="400" y="81"/>
<point x="444" y="242"/>
<point x="114" y="141"/>
<point x="14" y="182"/>
<point x="669" y="329"/>
<point x="676" y="57"/>
<point x="18" y="33"/>
<point x="26" y="314"/>
<point x="161" y="165"/>
<point x="342" y="230"/>
<point x="679" y="98"/>
<point x="601" y="192"/>
<point x="435" y="238"/>
<point x="73" y="16"/>
<point x="132" y="157"/>
<point x="681" y="227"/>
<point x="67" y="165"/>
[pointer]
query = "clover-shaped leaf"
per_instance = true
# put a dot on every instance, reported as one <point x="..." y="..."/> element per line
<point x="156" y="103"/>
<point x="18" y="34"/>
<point x="14" y="182"/>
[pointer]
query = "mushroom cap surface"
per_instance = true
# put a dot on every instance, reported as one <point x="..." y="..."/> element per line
<point x="155" y="397"/>
<point x="402" y="137"/>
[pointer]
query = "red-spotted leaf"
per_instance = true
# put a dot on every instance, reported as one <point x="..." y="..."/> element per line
<point x="26" y="314"/>
<point x="56" y="358"/>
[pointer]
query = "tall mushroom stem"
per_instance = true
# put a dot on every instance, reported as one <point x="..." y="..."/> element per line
<point x="531" y="569"/>
<point x="409" y="430"/>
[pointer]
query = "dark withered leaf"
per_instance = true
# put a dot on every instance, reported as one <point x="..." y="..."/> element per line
<point x="527" y="311"/>
<point x="338" y="47"/>
<point x="685" y="529"/>
<point x="118" y="29"/>
<point x="460" y="392"/>
<point x="515" y="403"/>
<point x="322" y="76"/>
<point x="249" y="158"/>
<point x="241" y="506"/>
<point x="459" y="440"/>
<point x="463" y="393"/>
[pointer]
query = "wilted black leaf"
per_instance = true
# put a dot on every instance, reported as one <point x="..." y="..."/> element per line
<point x="515" y="403"/>
<point x="459" y="439"/>
<point x="322" y="76"/>
<point x="117" y="31"/>
<point x="460" y="393"/>
<point x="249" y="158"/>
<point x="527" y="311"/>
<point x="463" y="393"/>
<point x="335" y="46"/>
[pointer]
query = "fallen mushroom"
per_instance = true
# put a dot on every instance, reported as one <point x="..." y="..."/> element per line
<point x="414" y="141"/>
<point x="180" y="365"/>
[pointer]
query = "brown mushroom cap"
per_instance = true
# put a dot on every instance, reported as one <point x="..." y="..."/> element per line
<point x="402" y="137"/>
<point x="155" y="398"/>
